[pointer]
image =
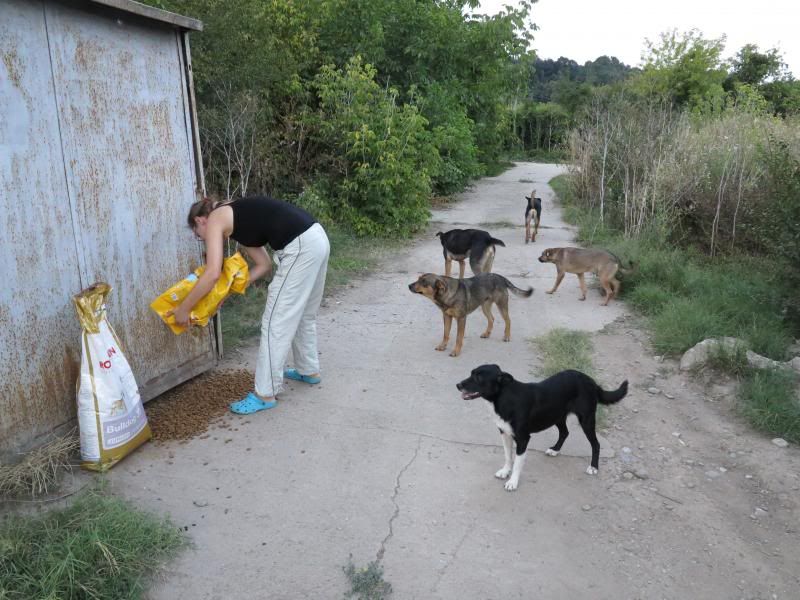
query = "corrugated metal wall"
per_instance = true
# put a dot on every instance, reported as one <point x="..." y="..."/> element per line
<point x="97" y="171"/>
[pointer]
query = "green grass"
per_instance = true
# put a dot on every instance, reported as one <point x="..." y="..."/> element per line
<point x="768" y="400"/>
<point x="241" y="315"/>
<point x="733" y="361"/>
<point x="366" y="583"/>
<point x="687" y="297"/>
<point x="564" y="349"/>
<point x="350" y="257"/>
<point x="99" y="547"/>
<point x="353" y="256"/>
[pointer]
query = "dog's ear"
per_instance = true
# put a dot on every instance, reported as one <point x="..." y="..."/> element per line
<point x="439" y="234"/>
<point x="504" y="378"/>
<point x="440" y="285"/>
<point x="528" y="198"/>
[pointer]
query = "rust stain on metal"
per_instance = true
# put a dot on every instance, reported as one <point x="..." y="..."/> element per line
<point x="13" y="66"/>
<point x="104" y="164"/>
<point x="86" y="54"/>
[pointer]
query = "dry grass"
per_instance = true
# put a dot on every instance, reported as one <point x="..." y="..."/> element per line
<point x="38" y="472"/>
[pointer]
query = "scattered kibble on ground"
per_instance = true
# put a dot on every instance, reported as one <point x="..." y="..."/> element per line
<point x="187" y="410"/>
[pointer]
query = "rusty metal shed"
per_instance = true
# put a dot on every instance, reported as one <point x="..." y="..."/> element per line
<point x="99" y="162"/>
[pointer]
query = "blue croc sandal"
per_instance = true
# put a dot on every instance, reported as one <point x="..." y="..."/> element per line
<point x="251" y="404"/>
<point x="293" y="374"/>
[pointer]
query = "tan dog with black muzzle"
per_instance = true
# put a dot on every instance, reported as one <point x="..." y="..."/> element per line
<point x="457" y="298"/>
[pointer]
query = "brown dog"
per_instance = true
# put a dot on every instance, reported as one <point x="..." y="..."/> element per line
<point x="456" y="298"/>
<point x="579" y="261"/>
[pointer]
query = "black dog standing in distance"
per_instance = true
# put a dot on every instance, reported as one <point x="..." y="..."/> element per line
<point x="525" y="408"/>
<point x="533" y="212"/>
<point x="477" y="244"/>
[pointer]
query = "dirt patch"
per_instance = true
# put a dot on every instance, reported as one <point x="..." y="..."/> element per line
<point x="187" y="411"/>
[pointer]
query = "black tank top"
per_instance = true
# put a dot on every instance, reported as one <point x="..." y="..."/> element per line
<point x="261" y="220"/>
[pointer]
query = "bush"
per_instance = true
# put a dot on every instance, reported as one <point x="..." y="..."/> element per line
<point x="452" y="134"/>
<point x="380" y="154"/>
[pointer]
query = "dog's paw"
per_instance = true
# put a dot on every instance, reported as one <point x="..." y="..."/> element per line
<point x="506" y="338"/>
<point x="511" y="485"/>
<point x="503" y="473"/>
<point x="454" y="353"/>
<point x="549" y="291"/>
<point x="551" y="452"/>
<point x="485" y="334"/>
<point x="582" y="299"/>
<point x="591" y="470"/>
<point x="441" y="347"/>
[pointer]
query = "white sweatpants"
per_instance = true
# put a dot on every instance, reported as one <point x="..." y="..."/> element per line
<point x="290" y="318"/>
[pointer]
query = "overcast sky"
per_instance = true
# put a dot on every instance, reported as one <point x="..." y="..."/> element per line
<point x="585" y="29"/>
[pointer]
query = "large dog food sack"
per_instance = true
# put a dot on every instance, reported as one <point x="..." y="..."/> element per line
<point x="233" y="279"/>
<point x="111" y="418"/>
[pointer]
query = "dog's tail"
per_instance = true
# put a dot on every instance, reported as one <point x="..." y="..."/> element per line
<point x="614" y="396"/>
<point x="496" y="242"/>
<point x="515" y="290"/>
<point x="439" y="234"/>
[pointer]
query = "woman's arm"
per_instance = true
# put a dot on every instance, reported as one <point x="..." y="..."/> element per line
<point x="214" y="251"/>
<point x="262" y="263"/>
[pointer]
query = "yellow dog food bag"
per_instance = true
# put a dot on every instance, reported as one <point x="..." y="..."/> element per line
<point x="111" y="418"/>
<point x="233" y="279"/>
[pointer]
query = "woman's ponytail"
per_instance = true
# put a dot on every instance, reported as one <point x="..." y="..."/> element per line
<point x="201" y="208"/>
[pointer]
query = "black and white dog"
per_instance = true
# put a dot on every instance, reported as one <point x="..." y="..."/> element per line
<point x="525" y="408"/>
<point x="475" y="244"/>
<point x="533" y="212"/>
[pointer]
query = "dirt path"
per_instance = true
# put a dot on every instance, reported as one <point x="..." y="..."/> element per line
<point x="384" y="459"/>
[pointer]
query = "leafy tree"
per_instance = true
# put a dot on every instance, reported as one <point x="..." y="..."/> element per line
<point x="605" y="70"/>
<point x="766" y="73"/>
<point x="379" y="154"/>
<point x="783" y="95"/>
<point x="683" y="68"/>
<point x="753" y="67"/>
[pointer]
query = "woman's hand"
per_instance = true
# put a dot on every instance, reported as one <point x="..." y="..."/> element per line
<point x="182" y="316"/>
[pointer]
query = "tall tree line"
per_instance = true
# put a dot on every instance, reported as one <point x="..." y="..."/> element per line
<point x="359" y="109"/>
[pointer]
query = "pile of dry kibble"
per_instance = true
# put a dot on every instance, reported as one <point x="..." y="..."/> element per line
<point x="188" y="409"/>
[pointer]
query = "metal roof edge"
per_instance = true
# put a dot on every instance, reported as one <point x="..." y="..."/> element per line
<point x="150" y="12"/>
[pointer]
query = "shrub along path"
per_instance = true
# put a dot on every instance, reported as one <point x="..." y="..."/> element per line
<point x="384" y="460"/>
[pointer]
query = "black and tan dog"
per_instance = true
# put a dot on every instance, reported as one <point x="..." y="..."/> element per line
<point x="533" y="212"/>
<point x="457" y="298"/>
<point x="579" y="261"/>
<point x="475" y="244"/>
<point x="522" y="409"/>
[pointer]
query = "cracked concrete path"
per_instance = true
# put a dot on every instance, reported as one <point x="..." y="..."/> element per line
<point x="383" y="460"/>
